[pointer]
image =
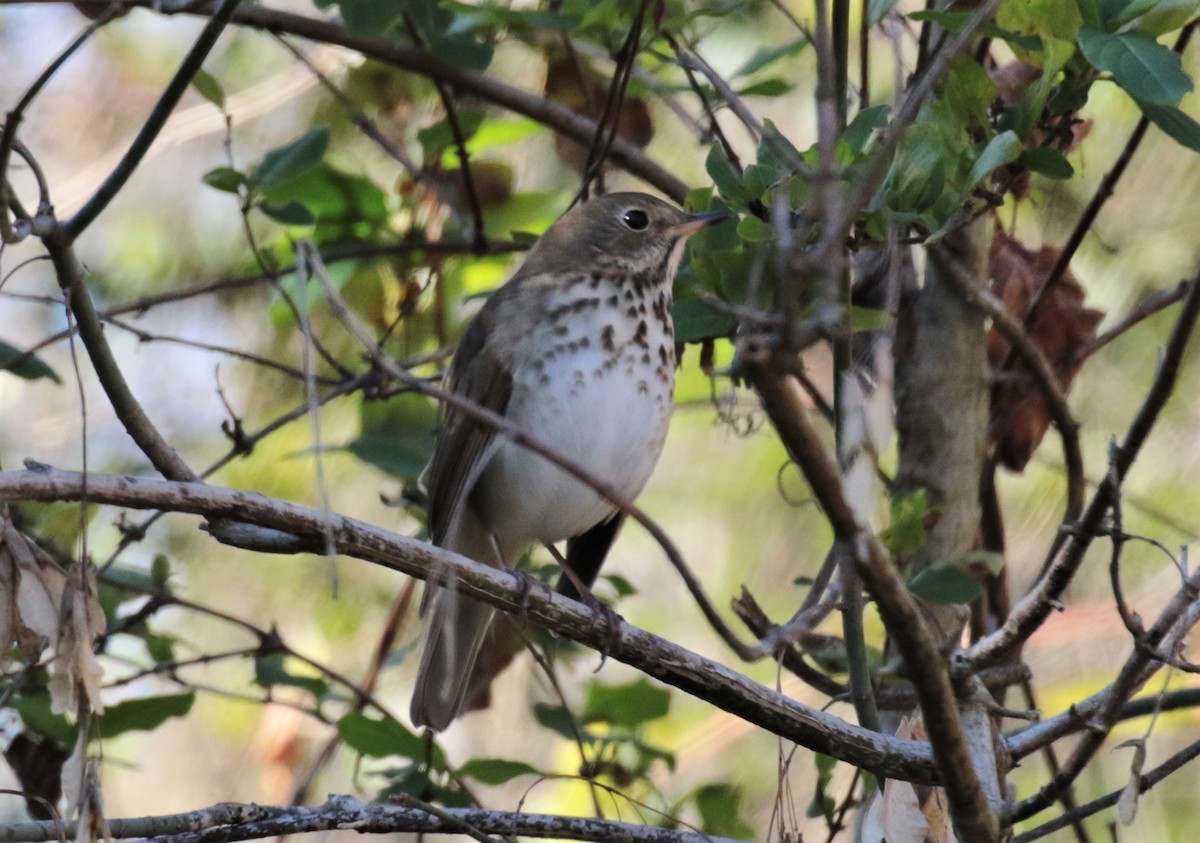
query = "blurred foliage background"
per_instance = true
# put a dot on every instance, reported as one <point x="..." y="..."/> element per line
<point x="724" y="489"/>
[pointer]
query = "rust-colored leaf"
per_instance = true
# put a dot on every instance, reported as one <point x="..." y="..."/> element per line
<point x="572" y="82"/>
<point x="1062" y="326"/>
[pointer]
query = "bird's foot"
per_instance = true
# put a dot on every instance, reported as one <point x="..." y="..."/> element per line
<point x="612" y="627"/>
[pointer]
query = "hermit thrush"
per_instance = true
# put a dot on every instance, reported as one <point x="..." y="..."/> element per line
<point x="578" y="349"/>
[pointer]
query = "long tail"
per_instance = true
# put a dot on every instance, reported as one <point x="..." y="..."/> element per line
<point x="457" y="628"/>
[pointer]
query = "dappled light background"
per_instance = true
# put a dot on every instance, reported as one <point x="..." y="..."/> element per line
<point x="723" y="490"/>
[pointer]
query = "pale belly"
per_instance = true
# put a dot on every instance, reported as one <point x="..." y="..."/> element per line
<point x="603" y="407"/>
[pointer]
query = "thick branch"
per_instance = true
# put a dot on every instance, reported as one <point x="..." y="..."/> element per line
<point x="232" y="821"/>
<point x="91" y="331"/>
<point x="973" y="815"/>
<point x="509" y="591"/>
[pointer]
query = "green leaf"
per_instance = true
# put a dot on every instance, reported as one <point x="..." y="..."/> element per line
<point x="37" y="717"/>
<point x="724" y="176"/>
<point x="697" y="320"/>
<point x="905" y="535"/>
<point x="776" y="150"/>
<point x="346" y="206"/>
<point x="271" y="670"/>
<point x="209" y="88"/>
<point x="493" y="134"/>
<point x="629" y="705"/>
<point x="622" y="586"/>
<point x="292" y="213"/>
<point x="410" y="780"/>
<point x="1047" y="162"/>
<point x="864" y="126"/>
<point x="823" y="803"/>
<point x="32" y="368"/>
<point x="131" y="579"/>
<point x="1174" y="123"/>
<point x="1158" y="17"/>
<point x="772" y="86"/>
<point x="402" y="456"/>
<point x="558" y="720"/>
<point x="1004" y="148"/>
<point x="1145" y="69"/>
<point x="1041" y="18"/>
<point x="944" y="585"/>
<point x="757" y="179"/>
<point x="380" y="738"/>
<point x="463" y="50"/>
<point x="719" y="805"/>
<point x="291" y="160"/>
<point x="869" y="319"/>
<point x="144" y="714"/>
<point x="161" y="648"/>
<point x="440" y="135"/>
<point x="496" y="771"/>
<point x="969" y="92"/>
<point x="958" y="21"/>
<point x="754" y="230"/>
<point x="225" y="179"/>
<point x="769" y="55"/>
<point x="160" y="571"/>
<point x="370" y="17"/>
<point x="397" y="435"/>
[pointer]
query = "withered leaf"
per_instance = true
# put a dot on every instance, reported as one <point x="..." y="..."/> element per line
<point x="572" y="82"/>
<point x="1062" y="326"/>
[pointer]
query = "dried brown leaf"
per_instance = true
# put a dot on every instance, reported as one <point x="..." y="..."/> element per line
<point x="31" y="587"/>
<point x="75" y="665"/>
<point x="572" y="82"/>
<point x="905" y="812"/>
<point x="1062" y="326"/>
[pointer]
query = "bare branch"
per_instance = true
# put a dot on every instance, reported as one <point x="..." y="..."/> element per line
<point x="231" y="821"/>
<point x="509" y="591"/>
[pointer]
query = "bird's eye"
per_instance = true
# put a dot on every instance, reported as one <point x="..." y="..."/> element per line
<point x="636" y="219"/>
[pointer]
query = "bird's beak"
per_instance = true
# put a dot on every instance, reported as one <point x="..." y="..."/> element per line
<point x="695" y="222"/>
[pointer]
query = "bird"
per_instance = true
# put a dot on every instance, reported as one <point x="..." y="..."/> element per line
<point x="578" y="350"/>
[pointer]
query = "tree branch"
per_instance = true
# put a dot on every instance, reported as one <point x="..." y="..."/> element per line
<point x="973" y="814"/>
<point x="232" y="821"/>
<point x="509" y="591"/>
<point x="562" y="120"/>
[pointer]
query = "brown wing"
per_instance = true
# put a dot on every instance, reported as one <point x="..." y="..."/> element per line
<point x="464" y="445"/>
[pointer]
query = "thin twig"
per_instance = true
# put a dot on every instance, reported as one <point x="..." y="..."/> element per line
<point x="154" y="122"/>
<point x="446" y="94"/>
<point x="609" y="122"/>
<point x="8" y="132"/>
